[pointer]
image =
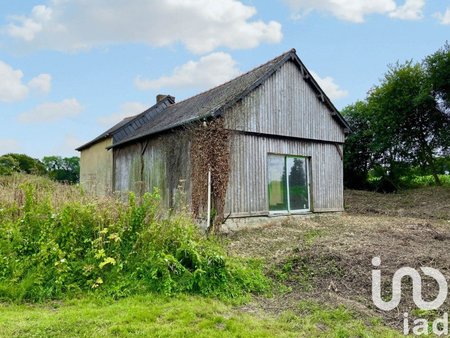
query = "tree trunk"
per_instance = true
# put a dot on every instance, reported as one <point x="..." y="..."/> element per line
<point x="428" y="152"/>
<point x="432" y="165"/>
<point x="437" y="180"/>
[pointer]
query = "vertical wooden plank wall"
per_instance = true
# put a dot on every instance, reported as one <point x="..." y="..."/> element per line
<point x="247" y="193"/>
<point x="157" y="162"/>
<point x="284" y="105"/>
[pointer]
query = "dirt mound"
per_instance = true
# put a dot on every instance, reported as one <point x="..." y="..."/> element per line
<point x="430" y="202"/>
<point x="341" y="263"/>
<point x="328" y="259"/>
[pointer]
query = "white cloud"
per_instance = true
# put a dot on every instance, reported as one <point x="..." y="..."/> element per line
<point x="8" y="145"/>
<point x="51" y="111"/>
<point x="444" y="18"/>
<point x="126" y="110"/>
<point x="42" y="83"/>
<point x="27" y="28"/>
<point x="330" y="87"/>
<point x="410" y="10"/>
<point x="357" y="10"/>
<point x="208" y="71"/>
<point x="11" y="86"/>
<point x="201" y="25"/>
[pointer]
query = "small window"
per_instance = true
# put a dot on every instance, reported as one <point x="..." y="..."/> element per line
<point x="288" y="183"/>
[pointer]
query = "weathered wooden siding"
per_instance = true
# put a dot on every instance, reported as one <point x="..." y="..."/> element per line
<point x="96" y="168"/>
<point x="160" y="162"/>
<point x="282" y="116"/>
<point x="285" y="104"/>
<point x="247" y="193"/>
<point x="127" y="168"/>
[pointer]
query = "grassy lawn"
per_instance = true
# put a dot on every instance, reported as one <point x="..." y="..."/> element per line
<point x="182" y="316"/>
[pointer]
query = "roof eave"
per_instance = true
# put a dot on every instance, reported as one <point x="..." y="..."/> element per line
<point x="170" y="98"/>
<point x="162" y="130"/>
<point x="321" y="94"/>
<point x="90" y="143"/>
<point x="256" y="84"/>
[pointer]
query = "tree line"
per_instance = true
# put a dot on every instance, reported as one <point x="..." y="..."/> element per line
<point x="62" y="169"/>
<point x="401" y="130"/>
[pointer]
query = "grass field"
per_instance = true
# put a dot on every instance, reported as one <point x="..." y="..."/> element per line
<point x="179" y="316"/>
<point x="319" y="267"/>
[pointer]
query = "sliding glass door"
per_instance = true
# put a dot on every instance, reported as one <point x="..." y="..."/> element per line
<point x="288" y="183"/>
<point x="297" y="183"/>
<point x="278" y="200"/>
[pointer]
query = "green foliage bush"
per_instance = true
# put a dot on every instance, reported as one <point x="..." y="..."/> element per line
<point x="412" y="181"/>
<point x="8" y="165"/>
<point x="57" y="168"/>
<point x="55" y="242"/>
<point x="66" y="170"/>
<point x="401" y="129"/>
<point x="425" y="181"/>
<point x="11" y="163"/>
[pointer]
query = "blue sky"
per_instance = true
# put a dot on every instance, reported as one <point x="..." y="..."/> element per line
<point x="69" y="69"/>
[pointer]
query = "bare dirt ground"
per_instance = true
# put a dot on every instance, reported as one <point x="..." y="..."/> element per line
<point x="327" y="259"/>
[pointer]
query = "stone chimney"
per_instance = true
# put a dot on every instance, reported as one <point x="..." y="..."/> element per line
<point x="161" y="97"/>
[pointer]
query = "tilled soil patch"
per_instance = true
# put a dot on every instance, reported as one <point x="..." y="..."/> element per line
<point x="328" y="259"/>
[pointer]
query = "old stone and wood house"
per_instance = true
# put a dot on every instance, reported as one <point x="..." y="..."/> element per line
<point x="271" y="140"/>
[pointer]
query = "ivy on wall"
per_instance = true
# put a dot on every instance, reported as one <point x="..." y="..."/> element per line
<point x="206" y="145"/>
<point x="210" y="151"/>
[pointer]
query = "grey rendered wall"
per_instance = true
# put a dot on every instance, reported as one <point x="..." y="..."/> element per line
<point x="96" y="168"/>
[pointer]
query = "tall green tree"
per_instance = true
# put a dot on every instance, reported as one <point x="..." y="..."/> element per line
<point x="357" y="148"/>
<point x="22" y="163"/>
<point x="61" y="169"/>
<point x="403" y="125"/>
<point x="8" y="165"/>
<point x="437" y="67"/>
<point x="409" y="128"/>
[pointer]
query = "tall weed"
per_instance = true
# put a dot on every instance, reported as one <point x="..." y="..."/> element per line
<point x="56" y="241"/>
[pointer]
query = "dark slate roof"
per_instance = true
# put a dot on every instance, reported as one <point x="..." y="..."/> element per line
<point x="143" y="119"/>
<point x="128" y="126"/>
<point x="106" y="134"/>
<point x="215" y="101"/>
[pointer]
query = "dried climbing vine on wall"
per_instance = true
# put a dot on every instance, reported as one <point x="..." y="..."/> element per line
<point x="210" y="151"/>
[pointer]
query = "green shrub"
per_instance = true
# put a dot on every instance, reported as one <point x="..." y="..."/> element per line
<point x="10" y="163"/>
<point x="425" y="181"/>
<point x="411" y="181"/>
<point x="52" y="248"/>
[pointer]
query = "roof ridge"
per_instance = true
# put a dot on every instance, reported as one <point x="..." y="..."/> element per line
<point x="215" y="101"/>
<point x="292" y="50"/>
<point x="273" y="64"/>
<point x="280" y="60"/>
